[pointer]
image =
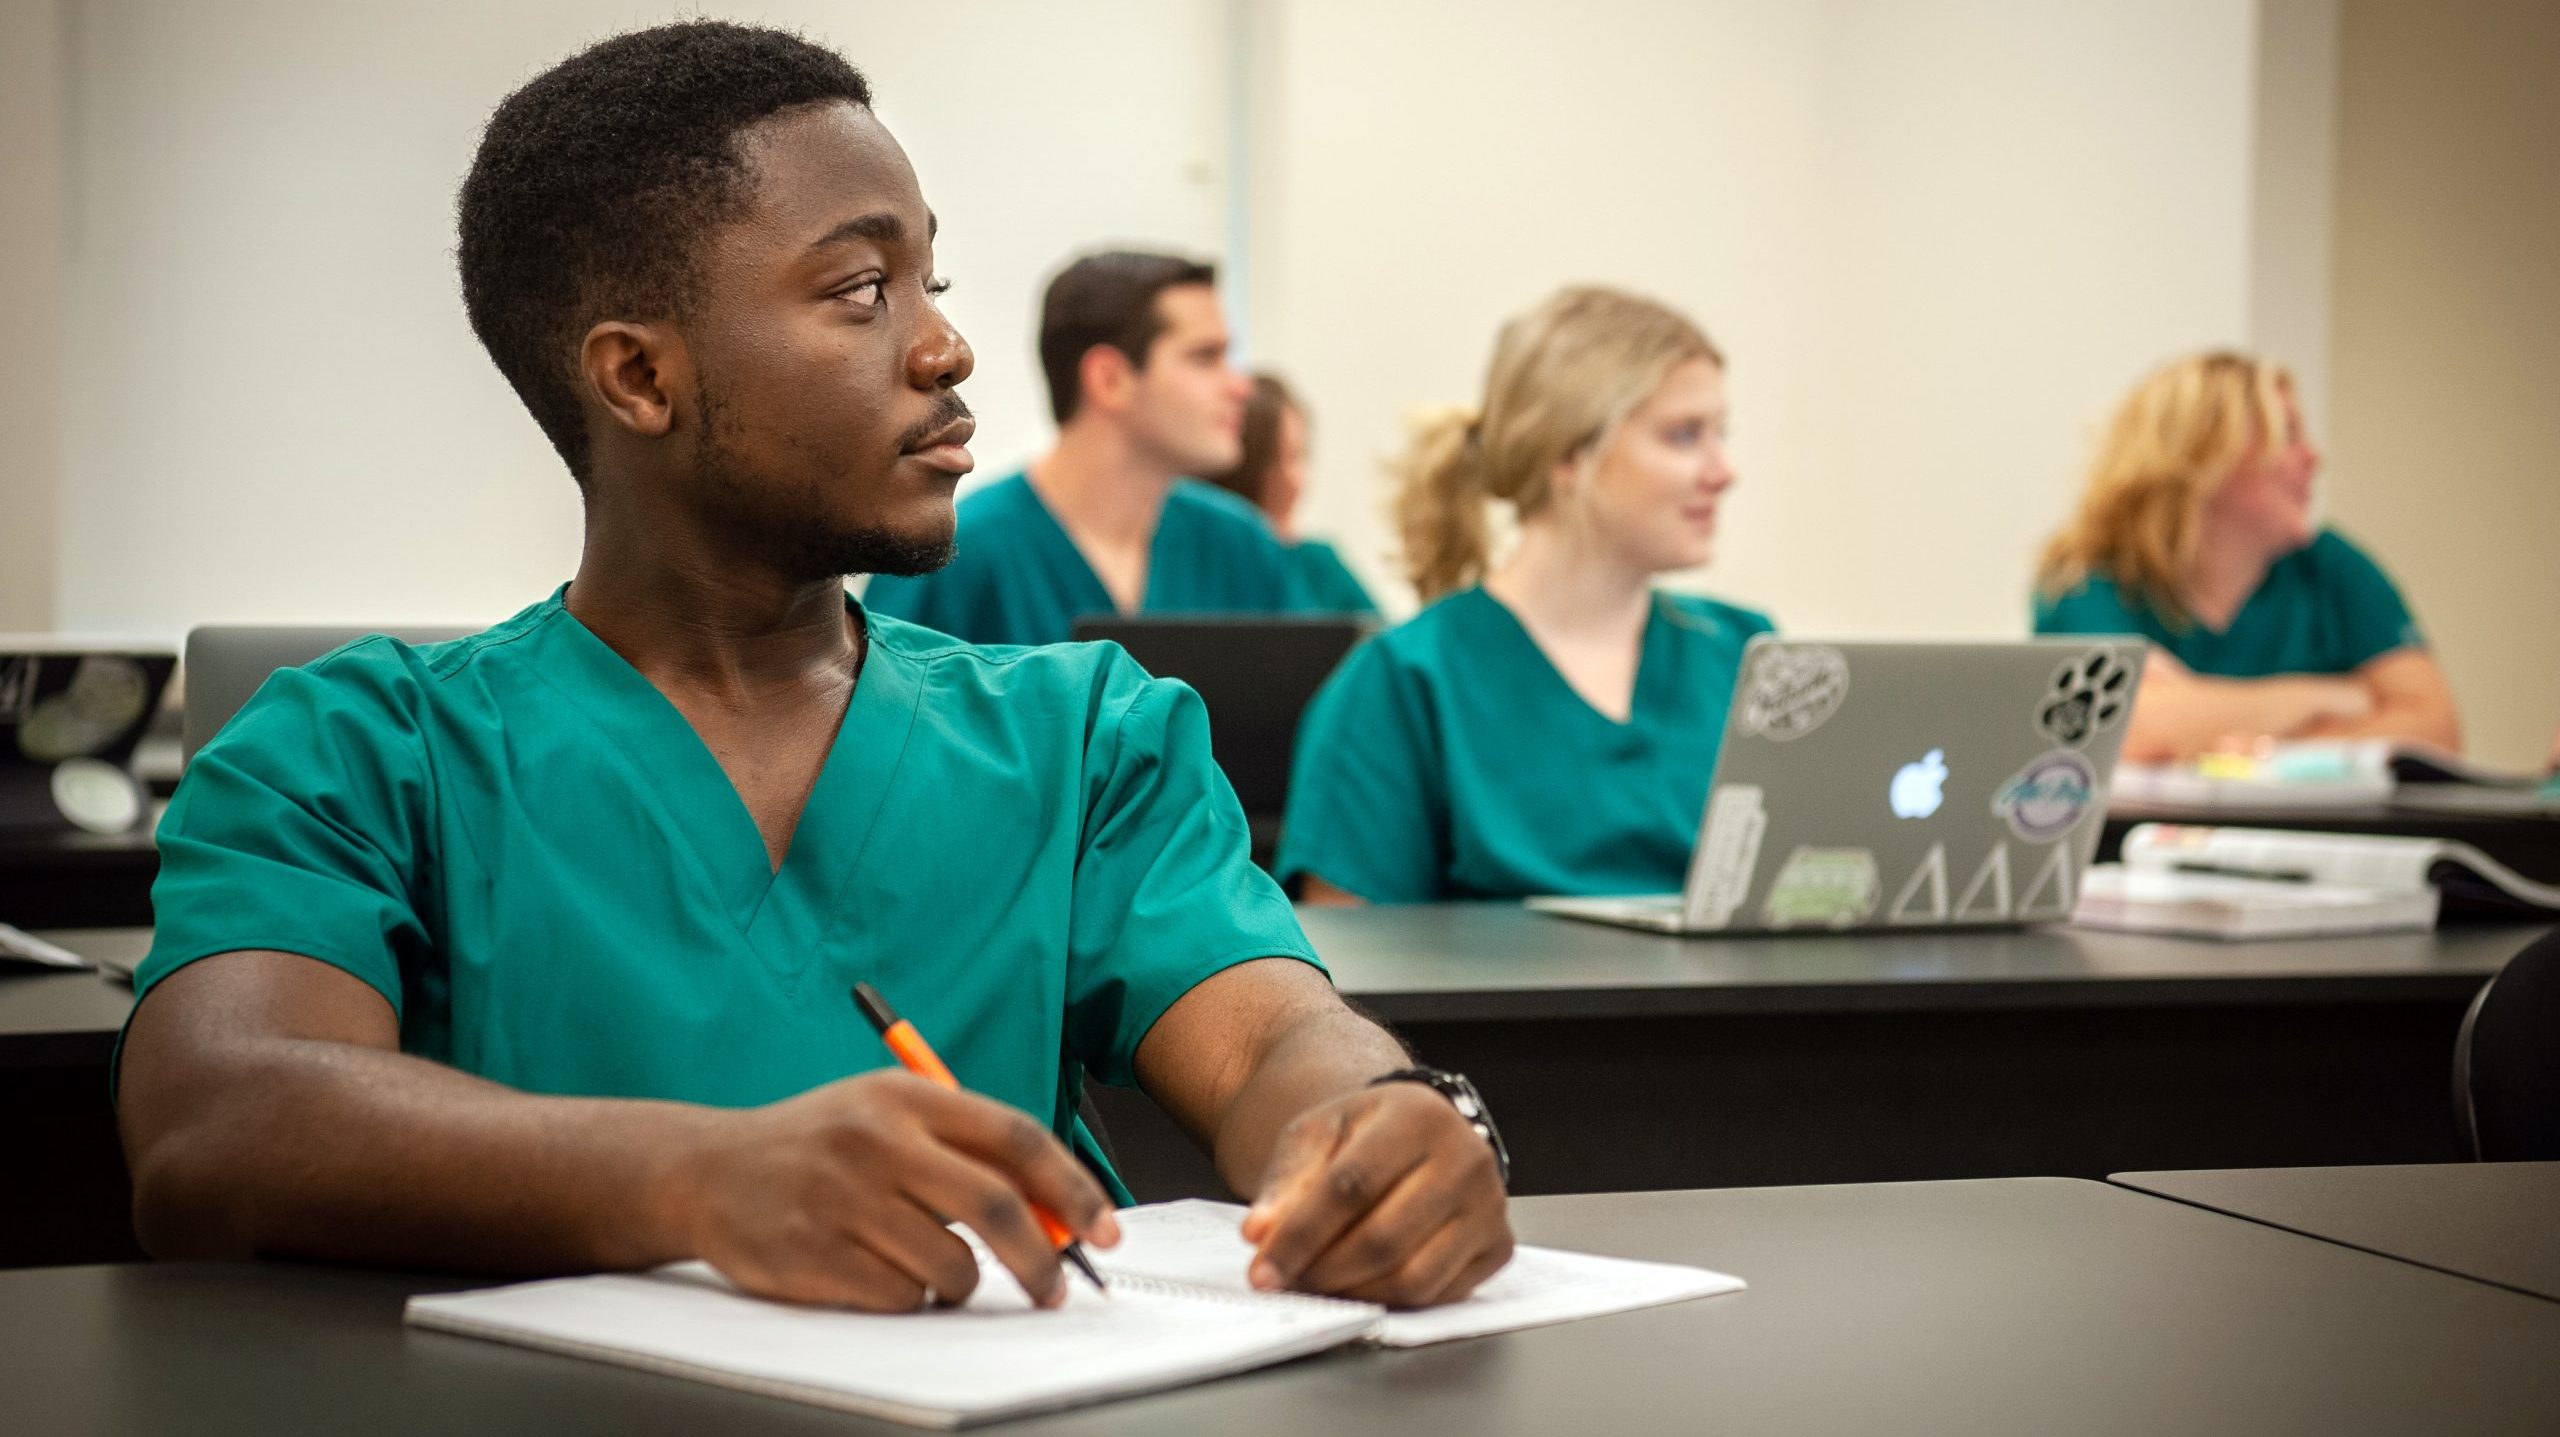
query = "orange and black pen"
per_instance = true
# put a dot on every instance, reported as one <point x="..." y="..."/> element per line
<point x="917" y="1056"/>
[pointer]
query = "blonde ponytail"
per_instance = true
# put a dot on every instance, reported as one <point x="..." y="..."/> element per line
<point x="1440" y="503"/>
<point x="1563" y="376"/>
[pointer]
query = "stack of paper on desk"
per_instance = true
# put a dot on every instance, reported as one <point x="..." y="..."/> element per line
<point x="1179" y="1311"/>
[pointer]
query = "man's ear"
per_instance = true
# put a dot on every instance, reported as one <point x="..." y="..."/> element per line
<point x="636" y="371"/>
<point x="1104" y="378"/>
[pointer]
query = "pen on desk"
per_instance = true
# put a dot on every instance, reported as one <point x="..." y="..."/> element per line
<point x="917" y="1056"/>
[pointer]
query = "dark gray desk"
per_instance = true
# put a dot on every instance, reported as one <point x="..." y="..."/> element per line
<point x="2025" y="1306"/>
<point x="1619" y="1060"/>
<point x="66" y="1196"/>
<point x="2497" y="1222"/>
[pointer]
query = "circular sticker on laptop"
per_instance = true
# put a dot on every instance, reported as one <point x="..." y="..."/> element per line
<point x="2045" y="800"/>
<point x="1793" y="689"/>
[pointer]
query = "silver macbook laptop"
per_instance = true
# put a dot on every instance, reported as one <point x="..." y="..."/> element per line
<point x="1900" y="785"/>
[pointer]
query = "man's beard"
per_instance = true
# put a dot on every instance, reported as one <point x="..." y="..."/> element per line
<point x="796" y="537"/>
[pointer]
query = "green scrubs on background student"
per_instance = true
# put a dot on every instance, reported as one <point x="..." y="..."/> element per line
<point x="526" y="849"/>
<point x="1326" y="585"/>
<point x="2324" y="609"/>
<point x="1016" y="578"/>
<point x="1448" y="759"/>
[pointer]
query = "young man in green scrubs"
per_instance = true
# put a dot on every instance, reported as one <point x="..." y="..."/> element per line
<point x="1134" y="347"/>
<point x="532" y="951"/>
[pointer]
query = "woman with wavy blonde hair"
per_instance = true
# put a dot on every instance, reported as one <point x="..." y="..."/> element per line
<point x="2195" y="530"/>
<point x="1549" y="722"/>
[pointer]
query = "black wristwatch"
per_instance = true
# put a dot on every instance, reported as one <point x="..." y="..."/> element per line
<point x="1463" y="1096"/>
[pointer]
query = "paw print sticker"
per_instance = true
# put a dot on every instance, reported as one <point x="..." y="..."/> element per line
<point x="2088" y="694"/>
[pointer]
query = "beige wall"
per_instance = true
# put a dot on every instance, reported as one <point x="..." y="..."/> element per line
<point x="2445" y="382"/>
<point x="276" y="409"/>
<point x="2294" y="193"/>
<point x="1937" y="238"/>
<point x="30" y="273"/>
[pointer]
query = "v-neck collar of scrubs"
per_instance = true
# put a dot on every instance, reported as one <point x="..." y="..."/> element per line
<point x="780" y="911"/>
<point x="1653" y="661"/>
<point x="1096" y="596"/>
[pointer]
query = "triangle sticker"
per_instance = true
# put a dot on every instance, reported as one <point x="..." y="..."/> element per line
<point x="1933" y="871"/>
<point x="2050" y="895"/>
<point x="1993" y="875"/>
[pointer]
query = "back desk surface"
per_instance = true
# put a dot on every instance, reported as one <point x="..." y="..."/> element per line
<point x="1625" y="1061"/>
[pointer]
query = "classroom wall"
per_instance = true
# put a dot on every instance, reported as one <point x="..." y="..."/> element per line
<point x="276" y="410"/>
<point x="2293" y="194"/>
<point x="30" y="267"/>
<point x="1938" y="238"/>
<point x="2445" y="445"/>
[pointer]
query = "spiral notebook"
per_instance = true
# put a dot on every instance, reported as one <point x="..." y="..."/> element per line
<point x="1176" y="1315"/>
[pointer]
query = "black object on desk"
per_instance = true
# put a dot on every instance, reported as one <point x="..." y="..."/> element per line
<point x="2495" y="1222"/>
<point x="1255" y="674"/>
<point x="2024" y="1306"/>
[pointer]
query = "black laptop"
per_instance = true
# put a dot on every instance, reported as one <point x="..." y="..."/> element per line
<point x="1255" y="674"/>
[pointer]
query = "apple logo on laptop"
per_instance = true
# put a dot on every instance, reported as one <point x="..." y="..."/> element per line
<point x="1917" y="787"/>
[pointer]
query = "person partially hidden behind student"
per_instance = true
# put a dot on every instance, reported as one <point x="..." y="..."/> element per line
<point x="1550" y="722"/>
<point x="1134" y="347"/>
<point x="2195" y="531"/>
<point x="1272" y="477"/>
<point x="533" y="951"/>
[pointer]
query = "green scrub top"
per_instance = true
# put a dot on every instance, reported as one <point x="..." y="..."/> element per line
<point x="1326" y="585"/>
<point x="526" y="849"/>
<point x="1016" y="578"/>
<point x="2326" y="608"/>
<point x="1447" y="758"/>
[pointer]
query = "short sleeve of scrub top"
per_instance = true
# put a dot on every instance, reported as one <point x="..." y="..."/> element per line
<point x="2372" y="618"/>
<point x="303" y="827"/>
<point x="1368" y="807"/>
<point x="525" y="848"/>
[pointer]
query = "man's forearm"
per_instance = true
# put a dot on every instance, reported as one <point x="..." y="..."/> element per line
<point x="1322" y="1054"/>
<point x="322" y="1149"/>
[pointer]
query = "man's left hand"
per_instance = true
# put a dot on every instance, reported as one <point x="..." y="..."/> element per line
<point x="1385" y="1195"/>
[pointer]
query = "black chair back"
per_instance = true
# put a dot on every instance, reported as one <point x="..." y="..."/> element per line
<point x="227" y="662"/>
<point x="2506" y="1061"/>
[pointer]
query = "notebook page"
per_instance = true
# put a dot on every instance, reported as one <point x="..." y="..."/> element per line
<point x="1197" y="1242"/>
<point x="996" y="1357"/>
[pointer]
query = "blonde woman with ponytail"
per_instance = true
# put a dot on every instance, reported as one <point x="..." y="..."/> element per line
<point x="2195" y="530"/>
<point x="1549" y="722"/>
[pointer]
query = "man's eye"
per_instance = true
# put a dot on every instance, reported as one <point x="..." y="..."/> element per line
<point x="869" y="292"/>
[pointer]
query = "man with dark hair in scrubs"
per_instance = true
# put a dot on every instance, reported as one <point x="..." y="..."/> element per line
<point x="1134" y="347"/>
<point x="531" y="951"/>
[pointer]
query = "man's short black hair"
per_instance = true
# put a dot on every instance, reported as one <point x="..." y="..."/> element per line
<point x="595" y="183"/>
<point x="1107" y="298"/>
